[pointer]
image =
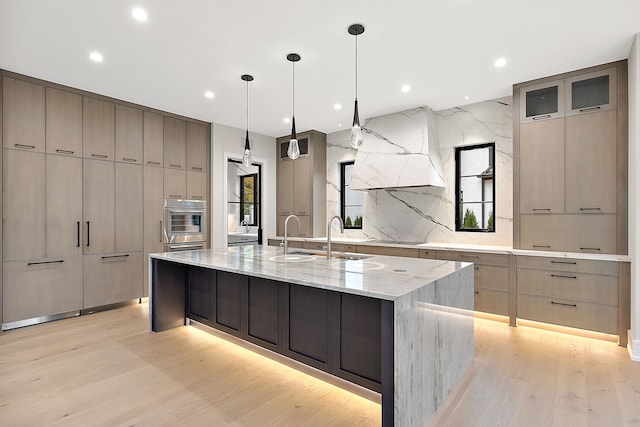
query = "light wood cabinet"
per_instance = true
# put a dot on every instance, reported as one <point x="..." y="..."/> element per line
<point x="542" y="101"/>
<point x="569" y="233"/>
<point x="98" y="139"/>
<point x="129" y="130"/>
<point x="153" y="218"/>
<point x="98" y="206"/>
<point x="175" y="184"/>
<point x="285" y="188"/>
<point x="153" y="139"/>
<point x="128" y="207"/>
<point x="23" y="115"/>
<point x="175" y="143"/>
<point x="196" y="185"/>
<point x="23" y="205"/>
<point x="64" y="122"/>
<point x="389" y="251"/>
<point x="196" y="147"/>
<point x="595" y="91"/>
<point x="542" y="167"/>
<point x="591" y="163"/>
<point x="63" y="236"/>
<point x="302" y="185"/>
<point x="111" y="277"/>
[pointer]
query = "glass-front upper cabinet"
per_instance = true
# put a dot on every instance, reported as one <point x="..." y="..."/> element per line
<point x="591" y="92"/>
<point x="542" y="101"/>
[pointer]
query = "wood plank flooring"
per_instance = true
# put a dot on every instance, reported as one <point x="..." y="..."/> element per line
<point x="107" y="369"/>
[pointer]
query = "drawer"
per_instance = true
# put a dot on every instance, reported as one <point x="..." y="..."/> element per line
<point x="491" y="277"/>
<point x="389" y="251"/>
<point x="475" y="257"/>
<point x="583" y="315"/>
<point x="609" y="268"/>
<point x="112" y="278"/>
<point x="573" y="286"/>
<point x="491" y="301"/>
<point x="41" y="287"/>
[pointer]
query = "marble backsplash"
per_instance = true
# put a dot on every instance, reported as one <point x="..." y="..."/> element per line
<point x="426" y="214"/>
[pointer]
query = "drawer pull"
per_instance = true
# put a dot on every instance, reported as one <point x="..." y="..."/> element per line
<point x="590" y="209"/>
<point x="564" y="262"/>
<point x="58" y="261"/>
<point x="476" y="292"/>
<point x="115" y="256"/>
<point x="149" y="162"/>
<point x="99" y="156"/>
<point x="476" y="268"/>
<point x="29" y="147"/>
<point x="175" y="196"/>
<point x="127" y="159"/>
<point x="563" y="303"/>
<point x="541" y="209"/>
<point x="542" y="246"/>
<point x="302" y="213"/>
<point x="563" y="276"/>
<point x="175" y="165"/>
<point x="195" y="168"/>
<point x="590" y="249"/>
<point x="197" y="197"/>
<point x="64" y="151"/>
<point x="583" y="110"/>
<point x="469" y="256"/>
<point x="78" y="234"/>
<point x="544" y="116"/>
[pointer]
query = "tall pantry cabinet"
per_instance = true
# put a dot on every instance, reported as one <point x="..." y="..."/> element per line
<point x="83" y="187"/>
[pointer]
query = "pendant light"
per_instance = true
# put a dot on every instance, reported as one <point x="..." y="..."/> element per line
<point x="356" y="131"/>
<point x="246" y="156"/>
<point x="294" y="150"/>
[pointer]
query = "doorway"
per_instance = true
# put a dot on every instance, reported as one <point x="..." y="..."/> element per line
<point x="244" y="209"/>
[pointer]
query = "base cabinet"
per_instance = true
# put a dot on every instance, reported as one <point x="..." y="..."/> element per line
<point x="111" y="278"/>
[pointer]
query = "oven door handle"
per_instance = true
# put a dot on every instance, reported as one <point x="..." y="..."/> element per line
<point x="186" y="247"/>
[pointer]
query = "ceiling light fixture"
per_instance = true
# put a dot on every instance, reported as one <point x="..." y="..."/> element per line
<point x="96" y="57"/>
<point x="294" y="150"/>
<point x="246" y="156"/>
<point x="139" y="14"/>
<point x="287" y="120"/>
<point x="500" y="62"/>
<point x="337" y="107"/>
<point x="405" y="88"/>
<point x="209" y="94"/>
<point x="356" y="131"/>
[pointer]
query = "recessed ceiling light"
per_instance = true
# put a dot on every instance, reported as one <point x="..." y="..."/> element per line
<point x="405" y="88"/>
<point x="466" y="98"/>
<point x="96" y="57"/>
<point x="209" y="94"/>
<point x="337" y="107"/>
<point x="287" y="120"/>
<point x="339" y="125"/>
<point x="139" y="14"/>
<point x="500" y="62"/>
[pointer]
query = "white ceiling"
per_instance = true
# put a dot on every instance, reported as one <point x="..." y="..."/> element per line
<point x="444" y="50"/>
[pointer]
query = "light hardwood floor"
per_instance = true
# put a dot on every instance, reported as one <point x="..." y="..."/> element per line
<point x="107" y="369"/>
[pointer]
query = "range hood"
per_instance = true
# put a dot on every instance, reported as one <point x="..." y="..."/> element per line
<point x="399" y="150"/>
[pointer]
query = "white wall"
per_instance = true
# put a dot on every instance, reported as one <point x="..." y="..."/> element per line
<point x="634" y="195"/>
<point x="226" y="143"/>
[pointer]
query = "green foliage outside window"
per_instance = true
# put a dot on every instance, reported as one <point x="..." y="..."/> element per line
<point x="470" y="220"/>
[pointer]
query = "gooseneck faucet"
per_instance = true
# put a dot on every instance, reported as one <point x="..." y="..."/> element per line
<point x="329" y="233"/>
<point x="286" y="222"/>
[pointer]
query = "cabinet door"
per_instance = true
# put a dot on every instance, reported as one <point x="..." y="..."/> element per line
<point x="128" y="207"/>
<point x="542" y="167"/>
<point x="153" y="217"/>
<point x="128" y="134"/>
<point x="24" y="205"/>
<point x="196" y="147"/>
<point x="98" y="129"/>
<point x="153" y="139"/>
<point x="284" y="192"/>
<point x="175" y="184"/>
<point x="111" y="278"/>
<point x="590" y="163"/>
<point x="24" y="115"/>
<point x="542" y="101"/>
<point x="196" y="185"/>
<point x="591" y="92"/>
<point x="63" y="206"/>
<point x="175" y="143"/>
<point x="199" y="291"/>
<point x="98" y="206"/>
<point x="64" y="122"/>
<point x="303" y="186"/>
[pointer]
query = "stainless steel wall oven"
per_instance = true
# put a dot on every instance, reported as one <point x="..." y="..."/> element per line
<point x="185" y="225"/>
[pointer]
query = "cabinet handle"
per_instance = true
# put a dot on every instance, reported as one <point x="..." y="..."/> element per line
<point x="542" y="246"/>
<point x="99" y="156"/>
<point x="195" y="168"/>
<point x="544" y="116"/>
<point x="476" y="268"/>
<point x="302" y="213"/>
<point x="590" y="249"/>
<point x="563" y="303"/>
<point x="196" y="197"/>
<point x="88" y="234"/>
<point x="564" y="262"/>
<point x="78" y="234"/>
<point x="541" y="209"/>
<point x="149" y="162"/>
<point x="161" y="230"/>
<point x="58" y="261"/>
<point x="476" y="292"/>
<point x="590" y="209"/>
<point x="563" y="276"/>
<point x="64" y="151"/>
<point x="582" y="110"/>
<point x="115" y="256"/>
<point x="175" y="196"/>
<point x="175" y="166"/>
<point x="28" y="147"/>
<point x="127" y="159"/>
<point x="469" y="256"/>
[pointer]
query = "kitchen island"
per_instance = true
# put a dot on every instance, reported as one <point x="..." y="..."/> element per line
<point x="401" y="327"/>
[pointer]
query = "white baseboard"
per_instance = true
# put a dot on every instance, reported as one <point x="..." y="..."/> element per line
<point x="633" y="346"/>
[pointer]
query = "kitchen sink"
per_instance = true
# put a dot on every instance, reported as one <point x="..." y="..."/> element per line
<point x="350" y="257"/>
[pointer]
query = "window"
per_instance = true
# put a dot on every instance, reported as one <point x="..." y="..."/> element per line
<point x="475" y="187"/>
<point x="249" y="199"/>
<point x="350" y="200"/>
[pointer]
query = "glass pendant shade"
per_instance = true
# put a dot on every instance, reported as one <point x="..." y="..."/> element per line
<point x="294" y="150"/>
<point x="356" y="130"/>
<point x="246" y="157"/>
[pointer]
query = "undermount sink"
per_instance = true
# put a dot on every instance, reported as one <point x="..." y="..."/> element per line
<point x="293" y="257"/>
<point x="350" y="257"/>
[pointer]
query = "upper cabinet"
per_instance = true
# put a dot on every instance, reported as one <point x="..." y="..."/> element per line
<point x="98" y="137"/>
<point x="64" y="122"/>
<point x="24" y="115"/>
<point x="542" y="101"/>
<point x="196" y="147"/>
<point x="175" y="143"/>
<point x="128" y="134"/>
<point x="591" y="92"/>
<point x="153" y="139"/>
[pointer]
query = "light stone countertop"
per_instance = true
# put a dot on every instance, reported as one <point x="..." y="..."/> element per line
<point x="489" y="249"/>
<point x="383" y="277"/>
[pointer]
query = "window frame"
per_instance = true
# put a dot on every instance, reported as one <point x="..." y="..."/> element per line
<point x="343" y="186"/>
<point x="459" y="216"/>
<point x="256" y="201"/>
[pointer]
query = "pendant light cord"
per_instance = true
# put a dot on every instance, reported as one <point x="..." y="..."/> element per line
<point x="293" y="91"/>
<point x="247" y="105"/>
<point x="356" y="66"/>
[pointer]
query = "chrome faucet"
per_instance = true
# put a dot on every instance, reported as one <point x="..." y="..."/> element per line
<point x="246" y="225"/>
<point x="286" y="222"/>
<point x="329" y="233"/>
